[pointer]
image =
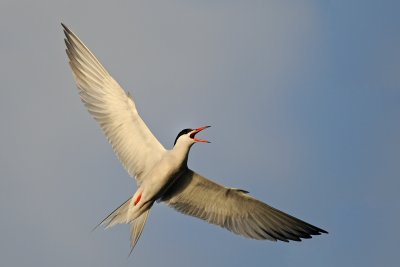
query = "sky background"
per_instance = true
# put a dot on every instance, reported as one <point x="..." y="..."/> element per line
<point x="303" y="97"/>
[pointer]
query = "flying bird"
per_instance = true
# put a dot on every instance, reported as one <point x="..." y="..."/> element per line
<point x="163" y="175"/>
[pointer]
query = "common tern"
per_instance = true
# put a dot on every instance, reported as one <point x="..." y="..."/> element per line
<point x="163" y="175"/>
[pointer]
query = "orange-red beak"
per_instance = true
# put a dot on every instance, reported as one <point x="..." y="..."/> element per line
<point x="192" y="135"/>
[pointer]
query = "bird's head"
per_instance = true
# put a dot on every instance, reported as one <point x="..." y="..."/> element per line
<point x="188" y="136"/>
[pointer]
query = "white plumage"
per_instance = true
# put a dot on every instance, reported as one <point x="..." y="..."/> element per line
<point x="163" y="174"/>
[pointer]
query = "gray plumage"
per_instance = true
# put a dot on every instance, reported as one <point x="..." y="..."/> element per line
<point x="235" y="210"/>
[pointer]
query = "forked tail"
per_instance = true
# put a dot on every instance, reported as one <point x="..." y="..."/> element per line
<point x="121" y="216"/>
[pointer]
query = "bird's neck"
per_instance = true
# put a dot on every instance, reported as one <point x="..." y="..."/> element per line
<point x="181" y="152"/>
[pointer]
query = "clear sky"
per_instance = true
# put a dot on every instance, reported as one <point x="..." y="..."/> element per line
<point x="303" y="97"/>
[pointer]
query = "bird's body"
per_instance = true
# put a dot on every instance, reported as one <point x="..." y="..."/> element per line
<point x="163" y="174"/>
<point x="157" y="181"/>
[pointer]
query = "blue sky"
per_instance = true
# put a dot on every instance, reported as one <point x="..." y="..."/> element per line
<point x="303" y="97"/>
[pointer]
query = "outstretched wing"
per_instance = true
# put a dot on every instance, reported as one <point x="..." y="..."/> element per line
<point x="114" y="109"/>
<point x="233" y="209"/>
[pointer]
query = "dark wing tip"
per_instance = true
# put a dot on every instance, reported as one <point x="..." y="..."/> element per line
<point x="65" y="27"/>
<point x="323" y="231"/>
<point x="67" y="31"/>
<point x="318" y="231"/>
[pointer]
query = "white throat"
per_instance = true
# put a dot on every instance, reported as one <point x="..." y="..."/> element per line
<point x="182" y="148"/>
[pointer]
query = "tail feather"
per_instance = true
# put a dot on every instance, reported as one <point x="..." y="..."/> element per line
<point x="137" y="227"/>
<point x="118" y="216"/>
<point x="123" y="214"/>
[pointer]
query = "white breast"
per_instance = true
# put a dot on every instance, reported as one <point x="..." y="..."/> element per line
<point x="162" y="175"/>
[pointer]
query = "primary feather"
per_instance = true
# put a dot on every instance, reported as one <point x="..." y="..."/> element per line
<point x="114" y="110"/>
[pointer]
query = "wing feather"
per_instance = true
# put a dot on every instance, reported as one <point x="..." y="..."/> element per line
<point x="233" y="209"/>
<point x="114" y="110"/>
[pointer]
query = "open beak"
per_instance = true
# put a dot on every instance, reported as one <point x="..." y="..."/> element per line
<point x="193" y="134"/>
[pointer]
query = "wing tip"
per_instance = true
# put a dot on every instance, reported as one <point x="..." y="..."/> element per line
<point x="323" y="231"/>
<point x="65" y="27"/>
